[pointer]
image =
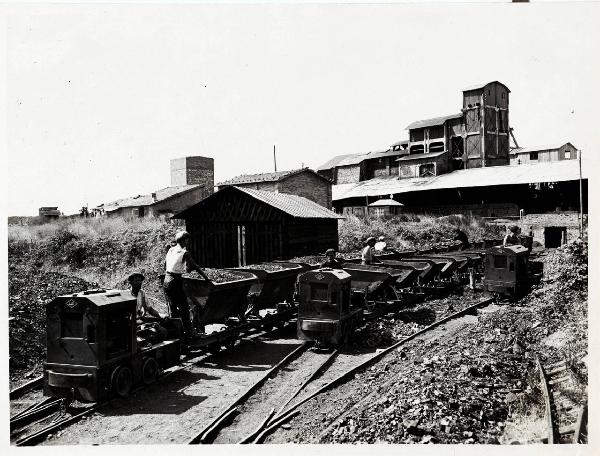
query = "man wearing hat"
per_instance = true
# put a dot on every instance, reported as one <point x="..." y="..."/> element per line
<point x="331" y="261"/>
<point x="367" y="256"/>
<point x="512" y="236"/>
<point x="177" y="262"/>
<point x="380" y="245"/>
<point x="142" y="308"/>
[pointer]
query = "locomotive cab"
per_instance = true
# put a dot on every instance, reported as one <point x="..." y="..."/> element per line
<point x="324" y="311"/>
<point x="506" y="270"/>
<point x="91" y="347"/>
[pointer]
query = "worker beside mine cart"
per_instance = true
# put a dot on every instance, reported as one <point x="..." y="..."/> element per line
<point x="331" y="261"/>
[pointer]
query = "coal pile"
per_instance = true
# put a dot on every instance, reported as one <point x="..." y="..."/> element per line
<point x="309" y="259"/>
<point x="271" y="267"/>
<point x="29" y="291"/>
<point x="218" y="275"/>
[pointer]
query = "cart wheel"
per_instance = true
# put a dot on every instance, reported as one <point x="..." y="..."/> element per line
<point x="214" y="348"/>
<point x="121" y="381"/>
<point x="149" y="371"/>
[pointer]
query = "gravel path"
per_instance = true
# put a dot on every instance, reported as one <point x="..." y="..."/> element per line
<point x="175" y="410"/>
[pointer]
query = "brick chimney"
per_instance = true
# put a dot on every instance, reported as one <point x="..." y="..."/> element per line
<point x="193" y="171"/>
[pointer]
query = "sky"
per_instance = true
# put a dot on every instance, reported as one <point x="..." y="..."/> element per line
<point x="101" y="97"/>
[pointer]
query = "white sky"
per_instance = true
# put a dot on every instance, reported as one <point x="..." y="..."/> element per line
<point x="101" y="97"/>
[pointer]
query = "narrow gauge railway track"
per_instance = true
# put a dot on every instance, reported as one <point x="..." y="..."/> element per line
<point x="566" y="422"/>
<point x="34" y="424"/>
<point x="271" y="421"/>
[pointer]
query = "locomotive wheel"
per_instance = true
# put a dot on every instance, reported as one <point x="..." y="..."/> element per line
<point x="149" y="371"/>
<point x="122" y="381"/>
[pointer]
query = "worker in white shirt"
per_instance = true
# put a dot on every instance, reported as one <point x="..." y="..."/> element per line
<point x="178" y="262"/>
<point x="367" y="256"/>
<point x="380" y="245"/>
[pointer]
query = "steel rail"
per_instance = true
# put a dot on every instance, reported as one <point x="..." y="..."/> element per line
<point x="32" y="407"/>
<point x="581" y="424"/>
<point x="25" y="388"/>
<point x="274" y="417"/>
<point x="352" y="371"/>
<point x="546" y="395"/>
<point x="35" y="414"/>
<point x="204" y="436"/>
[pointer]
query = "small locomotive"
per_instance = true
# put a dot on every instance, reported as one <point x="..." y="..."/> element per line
<point x="506" y="270"/>
<point x="325" y="314"/>
<point x="94" y="349"/>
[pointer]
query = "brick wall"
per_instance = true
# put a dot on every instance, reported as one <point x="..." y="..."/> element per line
<point x="309" y="186"/>
<point x="570" y="220"/>
<point x="179" y="203"/>
<point x="348" y="174"/>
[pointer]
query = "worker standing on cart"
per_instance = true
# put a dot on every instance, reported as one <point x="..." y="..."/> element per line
<point x="512" y="236"/>
<point x="178" y="262"/>
<point x="367" y="256"/>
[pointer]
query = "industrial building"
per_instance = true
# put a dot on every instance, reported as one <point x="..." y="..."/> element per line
<point x="302" y="182"/>
<point x="541" y="154"/>
<point x="237" y="226"/>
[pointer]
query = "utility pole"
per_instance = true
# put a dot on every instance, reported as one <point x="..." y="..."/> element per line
<point x="274" y="158"/>
<point x="580" y="199"/>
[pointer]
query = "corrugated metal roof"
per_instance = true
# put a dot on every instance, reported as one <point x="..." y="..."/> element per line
<point x="294" y="205"/>
<point x="433" y="121"/>
<point x="335" y="161"/>
<point x="265" y="177"/>
<point x="525" y="150"/>
<point x="481" y="86"/>
<point x="559" y="171"/>
<point x="385" y="202"/>
<point x="355" y="159"/>
<point x="147" y="200"/>
<point x="421" y="156"/>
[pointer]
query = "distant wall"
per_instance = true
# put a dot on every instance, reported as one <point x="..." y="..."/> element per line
<point x="309" y="186"/>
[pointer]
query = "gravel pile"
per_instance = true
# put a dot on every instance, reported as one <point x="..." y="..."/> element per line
<point x="309" y="259"/>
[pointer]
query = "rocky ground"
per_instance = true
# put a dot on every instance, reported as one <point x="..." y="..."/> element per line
<point x="473" y="382"/>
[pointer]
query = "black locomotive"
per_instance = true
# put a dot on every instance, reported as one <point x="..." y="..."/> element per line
<point x="93" y="348"/>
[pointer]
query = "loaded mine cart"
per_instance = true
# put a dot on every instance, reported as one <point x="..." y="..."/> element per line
<point x="375" y="288"/>
<point x="218" y="306"/>
<point x="271" y="297"/>
<point x="92" y="347"/>
<point x="325" y="313"/>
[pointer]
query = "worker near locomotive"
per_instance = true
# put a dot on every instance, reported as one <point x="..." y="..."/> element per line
<point x="331" y="260"/>
<point x="177" y="262"/>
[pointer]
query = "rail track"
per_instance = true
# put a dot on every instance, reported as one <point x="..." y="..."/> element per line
<point x="320" y="382"/>
<point x="36" y="422"/>
<point x="566" y="421"/>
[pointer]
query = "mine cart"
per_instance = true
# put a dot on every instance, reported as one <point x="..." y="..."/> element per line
<point x="276" y="283"/>
<point x="218" y="302"/>
<point x="325" y="314"/>
<point x="506" y="270"/>
<point x="425" y="271"/>
<point x="92" y="349"/>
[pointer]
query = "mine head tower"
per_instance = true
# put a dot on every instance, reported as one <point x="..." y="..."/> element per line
<point x="486" y="131"/>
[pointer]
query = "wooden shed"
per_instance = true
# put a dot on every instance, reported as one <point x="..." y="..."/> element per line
<point x="238" y="226"/>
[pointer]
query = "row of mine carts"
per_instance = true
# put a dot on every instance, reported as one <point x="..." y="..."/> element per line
<point x="95" y="348"/>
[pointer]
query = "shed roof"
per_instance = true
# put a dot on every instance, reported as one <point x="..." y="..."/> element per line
<point x="482" y="85"/>
<point x="385" y="202"/>
<point x="267" y="177"/>
<point x="525" y="150"/>
<point x="559" y="171"/>
<point x="355" y="159"/>
<point x="421" y="156"/>
<point x="335" y="161"/>
<point x="433" y="121"/>
<point x="294" y="205"/>
<point x="403" y="142"/>
<point x="147" y="200"/>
